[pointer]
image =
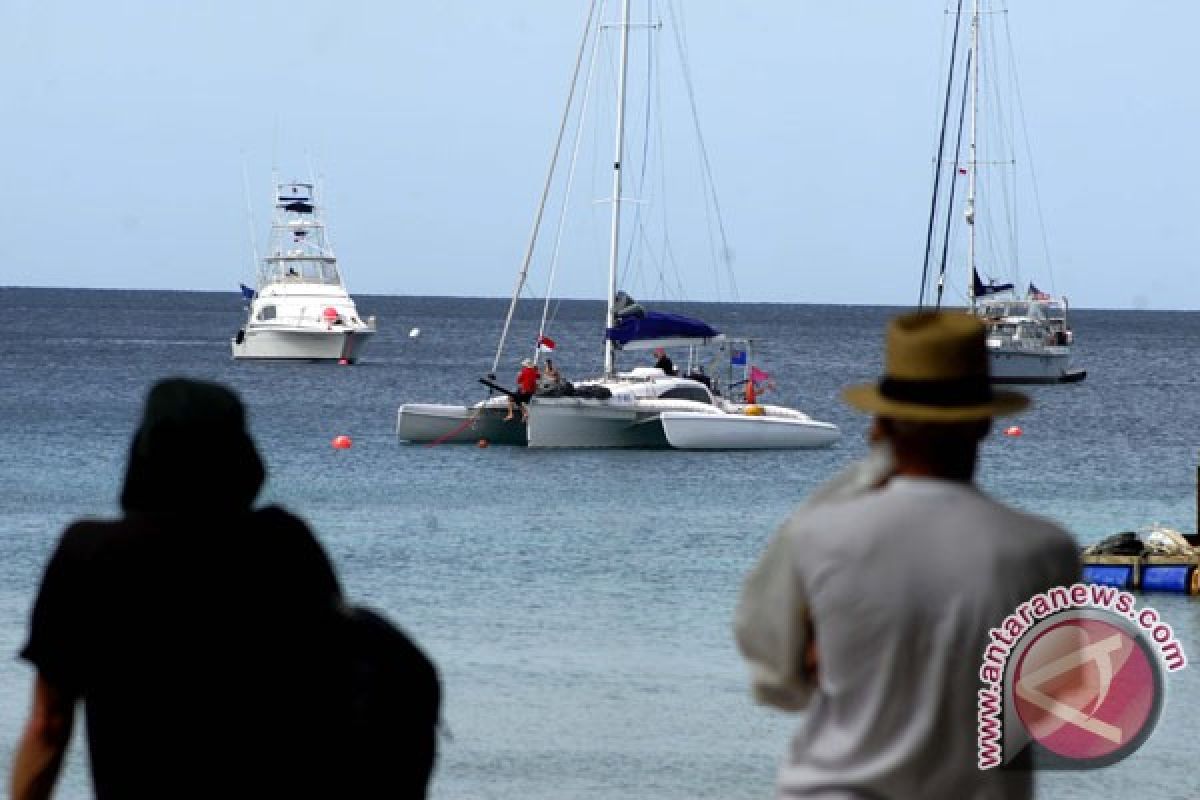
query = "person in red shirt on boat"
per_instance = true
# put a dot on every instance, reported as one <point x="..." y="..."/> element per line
<point x="527" y="380"/>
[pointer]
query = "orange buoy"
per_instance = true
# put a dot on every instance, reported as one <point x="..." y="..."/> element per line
<point x="341" y="442"/>
<point x="482" y="443"/>
<point x="1013" y="430"/>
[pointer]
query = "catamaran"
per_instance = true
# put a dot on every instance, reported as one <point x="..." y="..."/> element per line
<point x="1029" y="336"/>
<point x="643" y="407"/>
<point x="300" y="308"/>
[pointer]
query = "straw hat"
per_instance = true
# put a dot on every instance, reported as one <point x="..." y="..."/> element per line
<point x="935" y="370"/>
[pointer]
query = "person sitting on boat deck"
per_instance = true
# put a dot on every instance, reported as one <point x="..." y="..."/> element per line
<point x="550" y="374"/>
<point x="551" y="378"/>
<point x="664" y="361"/>
<point x="871" y="611"/>
<point x="527" y="381"/>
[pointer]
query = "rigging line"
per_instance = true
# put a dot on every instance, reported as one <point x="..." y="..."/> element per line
<point x="537" y="221"/>
<point x="712" y="188"/>
<point x="937" y="170"/>
<point x="962" y="113"/>
<point x="570" y="182"/>
<point x="1037" y="201"/>
<point x="638" y="222"/>
<point x="664" y="188"/>
<point x="318" y="198"/>
<point x="673" y="290"/>
<point x="250" y="216"/>
<point x="668" y="281"/>
<point x="1005" y="255"/>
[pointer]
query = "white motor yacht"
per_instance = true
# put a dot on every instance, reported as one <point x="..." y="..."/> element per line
<point x="1029" y="340"/>
<point x="300" y="308"/>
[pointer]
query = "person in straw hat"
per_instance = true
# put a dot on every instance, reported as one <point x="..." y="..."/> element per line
<point x="870" y="607"/>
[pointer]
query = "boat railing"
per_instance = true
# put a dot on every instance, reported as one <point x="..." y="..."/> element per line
<point x="314" y="317"/>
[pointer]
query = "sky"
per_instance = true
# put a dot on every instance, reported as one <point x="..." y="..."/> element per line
<point x="127" y="127"/>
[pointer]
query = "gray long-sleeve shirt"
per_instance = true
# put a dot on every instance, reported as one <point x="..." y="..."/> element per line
<point x="901" y="585"/>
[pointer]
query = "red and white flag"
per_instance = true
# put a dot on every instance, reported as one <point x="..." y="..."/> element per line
<point x="545" y="344"/>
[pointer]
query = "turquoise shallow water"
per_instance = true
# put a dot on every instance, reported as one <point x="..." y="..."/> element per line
<point x="577" y="603"/>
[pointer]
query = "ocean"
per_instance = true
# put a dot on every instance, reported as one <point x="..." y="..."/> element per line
<point x="577" y="603"/>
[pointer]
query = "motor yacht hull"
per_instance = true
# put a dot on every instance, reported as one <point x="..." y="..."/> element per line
<point x="1047" y="365"/>
<point x="434" y="423"/>
<point x="299" y="344"/>
<point x="689" y="430"/>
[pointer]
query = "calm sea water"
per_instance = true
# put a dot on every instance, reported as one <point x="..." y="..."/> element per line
<point x="577" y="603"/>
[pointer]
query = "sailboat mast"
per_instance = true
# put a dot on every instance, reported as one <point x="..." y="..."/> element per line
<point x="974" y="162"/>
<point x="609" y="348"/>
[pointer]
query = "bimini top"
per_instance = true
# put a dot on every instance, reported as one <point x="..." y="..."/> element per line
<point x="659" y="329"/>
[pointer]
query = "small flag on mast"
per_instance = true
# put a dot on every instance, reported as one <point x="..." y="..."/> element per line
<point x="546" y="344"/>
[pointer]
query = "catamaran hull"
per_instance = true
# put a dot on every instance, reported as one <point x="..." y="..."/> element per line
<point x="563" y="422"/>
<point x="446" y="424"/>
<point x="689" y="430"/>
<point x="1025" y="366"/>
<point x="318" y="345"/>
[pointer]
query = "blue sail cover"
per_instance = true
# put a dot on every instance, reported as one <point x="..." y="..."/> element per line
<point x="991" y="287"/>
<point x="658" y="325"/>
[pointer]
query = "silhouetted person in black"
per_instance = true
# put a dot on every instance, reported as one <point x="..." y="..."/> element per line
<point x="208" y="641"/>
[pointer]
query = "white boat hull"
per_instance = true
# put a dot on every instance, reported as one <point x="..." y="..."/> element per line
<point x="299" y="344"/>
<point x="1046" y="365"/>
<point x="689" y="430"/>
<point x="587" y="422"/>
<point x="431" y="423"/>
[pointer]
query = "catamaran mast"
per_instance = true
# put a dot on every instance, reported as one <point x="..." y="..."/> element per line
<point x="609" y="347"/>
<point x="973" y="161"/>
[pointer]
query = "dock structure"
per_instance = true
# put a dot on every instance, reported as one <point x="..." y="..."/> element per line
<point x="1150" y="570"/>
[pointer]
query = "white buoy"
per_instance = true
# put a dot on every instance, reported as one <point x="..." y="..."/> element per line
<point x="414" y="333"/>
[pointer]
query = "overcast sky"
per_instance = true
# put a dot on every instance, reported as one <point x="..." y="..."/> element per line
<point x="126" y="126"/>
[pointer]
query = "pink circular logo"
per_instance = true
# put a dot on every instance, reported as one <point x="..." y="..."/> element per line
<point x="1087" y="690"/>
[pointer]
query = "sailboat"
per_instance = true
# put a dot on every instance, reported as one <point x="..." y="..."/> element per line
<point x="299" y="308"/>
<point x="1029" y="336"/>
<point x="643" y="407"/>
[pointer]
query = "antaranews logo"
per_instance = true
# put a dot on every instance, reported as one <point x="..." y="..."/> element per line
<point x="1078" y="673"/>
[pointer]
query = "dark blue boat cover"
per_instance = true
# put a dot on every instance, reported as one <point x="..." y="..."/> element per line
<point x="659" y="325"/>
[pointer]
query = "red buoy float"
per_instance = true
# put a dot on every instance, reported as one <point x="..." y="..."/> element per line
<point x="341" y="442"/>
<point x="1013" y="430"/>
